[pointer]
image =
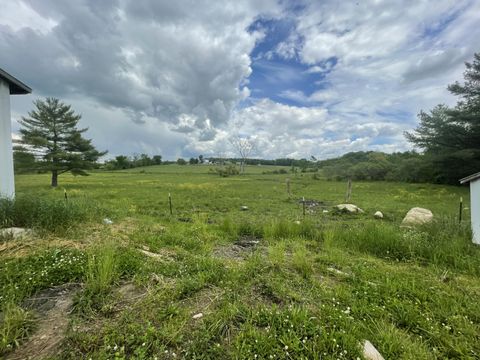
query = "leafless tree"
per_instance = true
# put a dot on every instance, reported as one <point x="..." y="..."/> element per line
<point x="244" y="147"/>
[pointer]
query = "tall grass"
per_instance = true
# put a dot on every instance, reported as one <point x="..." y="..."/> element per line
<point x="52" y="215"/>
<point x="302" y="262"/>
<point x="100" y="273"/>
<point x="443" y="243"/>
<point x="275" y="229"/>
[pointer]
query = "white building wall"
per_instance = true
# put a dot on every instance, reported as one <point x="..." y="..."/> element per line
<point x="7" y="184"/>
<point x="475" y="209"/>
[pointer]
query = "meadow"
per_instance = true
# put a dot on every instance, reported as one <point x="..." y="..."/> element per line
<point x="213" y="281"/>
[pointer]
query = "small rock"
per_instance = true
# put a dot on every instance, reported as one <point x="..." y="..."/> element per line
<point x="297" y="222"/>
<point x="378" y="215"/>
<point x="244" y="208"/>
<point x="325" y="211"/>
<point x="107" y="221"/>
<point x="349" y="208"/>
<point x="417" y="216"/>
<point x="336" y="271"/>
<point x="197" y="316"/>
<point x="370" y="353"/>
<point x="15" y="233"/>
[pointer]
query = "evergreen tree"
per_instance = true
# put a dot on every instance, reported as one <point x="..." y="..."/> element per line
<point x="451" y="137"/>
<point x="51" y="134"/>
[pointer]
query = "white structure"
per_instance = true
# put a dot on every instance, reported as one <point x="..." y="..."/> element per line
<point x="8" y="86"/>
<point x="474" y="181"/>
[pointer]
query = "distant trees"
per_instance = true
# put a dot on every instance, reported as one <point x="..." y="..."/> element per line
<point x="50" y="134"/>
<point x="181" y="161"/>
<point x="408" y="166"/>
<point x="122" y="162"/>
<point x="450" y="137"/>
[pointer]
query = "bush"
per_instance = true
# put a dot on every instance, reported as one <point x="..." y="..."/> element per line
<point x="227" y="171"/>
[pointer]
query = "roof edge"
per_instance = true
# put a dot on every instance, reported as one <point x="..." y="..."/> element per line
<point x="470" y="178"/>
<point x="16" y="86"/>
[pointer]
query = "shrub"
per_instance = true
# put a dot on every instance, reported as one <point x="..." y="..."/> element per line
<point x="227" y="171"/>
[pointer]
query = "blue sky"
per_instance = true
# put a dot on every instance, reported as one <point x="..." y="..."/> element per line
<point x="183" y="79"/>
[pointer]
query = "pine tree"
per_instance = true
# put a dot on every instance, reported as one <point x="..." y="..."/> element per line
<point x="51" y="134"/>
<point x="451" y="136"/>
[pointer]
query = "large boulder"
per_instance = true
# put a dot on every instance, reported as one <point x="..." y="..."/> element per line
<point x="349" y="208"/>
<point x="417" y="216"/>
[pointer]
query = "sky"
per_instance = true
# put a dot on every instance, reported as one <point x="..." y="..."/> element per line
<point x="183" y="78"/>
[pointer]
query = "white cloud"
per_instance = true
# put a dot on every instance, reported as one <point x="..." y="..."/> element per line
<point x="150" y="58"/>
<point x="180" y="70"/>
<point x="291" y="131"/>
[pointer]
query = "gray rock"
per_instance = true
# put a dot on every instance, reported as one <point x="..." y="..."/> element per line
<point x="370" y="352"/>
<point x="15" y="233"/>
<point x="417" y="216"/>
<point x="349" y="208"/>
<point x="378" y="215"/>
<point x="244" y="208"/>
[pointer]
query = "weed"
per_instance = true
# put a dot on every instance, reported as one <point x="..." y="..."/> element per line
<point x="15" y="325"/>
<point x="100" y="273"/>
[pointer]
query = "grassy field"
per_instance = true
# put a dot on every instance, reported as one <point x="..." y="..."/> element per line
<point x="214" y="282"/>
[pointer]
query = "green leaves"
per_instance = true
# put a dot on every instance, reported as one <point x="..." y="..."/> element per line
<point x="452" y="135"/>
<point x="51" y="134"/>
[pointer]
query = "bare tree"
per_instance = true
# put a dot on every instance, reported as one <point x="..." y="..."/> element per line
<point x="244" y="147"/>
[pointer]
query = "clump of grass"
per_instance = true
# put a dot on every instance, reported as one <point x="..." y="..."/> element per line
<point x="284" y="229"/>
<point x="276" y="254"/>
<point x="52" y="215"/>
<point x="301" y="261"/>
<point x="100" y="274"/>
<point x="15" y="325"/>
<point x="242" y="228"/>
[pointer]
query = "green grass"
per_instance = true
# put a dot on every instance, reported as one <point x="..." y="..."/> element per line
<point x="46" y="214"/>
<point x="314" y="287"/>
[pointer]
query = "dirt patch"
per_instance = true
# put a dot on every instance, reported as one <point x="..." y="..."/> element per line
<point x="204" y="300"/>
<point x="128" y="294"/>
<point x="238" y="251"/>
<point x="52" y="307"/>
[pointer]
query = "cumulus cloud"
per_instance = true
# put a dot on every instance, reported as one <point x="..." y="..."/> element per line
<point x="392" y="59"/>
<point x="282" y="130"/>
<point x="169" y="60"/>
<point x="176" y="77"/>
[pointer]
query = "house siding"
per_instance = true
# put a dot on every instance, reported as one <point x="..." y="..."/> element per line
<point x="475" y="209"/>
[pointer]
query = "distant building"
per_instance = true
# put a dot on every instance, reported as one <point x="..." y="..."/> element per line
<point x="8" y="86"/>
<point x="474" y="181"/>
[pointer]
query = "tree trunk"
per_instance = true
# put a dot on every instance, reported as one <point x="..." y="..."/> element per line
<point x="54" y="178"/>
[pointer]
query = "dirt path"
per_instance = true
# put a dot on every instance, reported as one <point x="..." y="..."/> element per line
<point x="52" y="307"/>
